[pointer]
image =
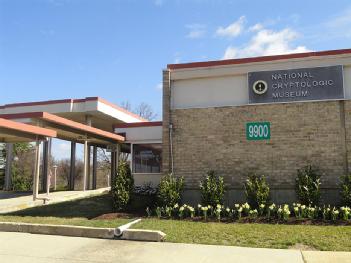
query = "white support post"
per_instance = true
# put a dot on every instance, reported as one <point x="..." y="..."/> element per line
<point x="36" y="171"/>
<point x="8" y="166"/>
<point x="85" y="171"/>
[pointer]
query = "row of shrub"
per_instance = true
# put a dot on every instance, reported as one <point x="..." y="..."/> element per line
<point x="257" y="192"/>
<point x="238" y="211"/>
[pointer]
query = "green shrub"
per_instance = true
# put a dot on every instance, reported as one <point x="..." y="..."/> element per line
<point x="21" y="183"/>
<point x="212" y="189"/>
<point x="169" y="190"/>
<point x="122" y="186"/>
<point x="256" y="191"/>
<point x="2" y="178"/>
<point x="308" y="185"/>
<point x="346" y="190"/>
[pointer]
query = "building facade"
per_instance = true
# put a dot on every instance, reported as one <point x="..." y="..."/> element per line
<point x="266" y="115"/>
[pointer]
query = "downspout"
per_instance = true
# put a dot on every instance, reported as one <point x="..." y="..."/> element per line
<point x="170" y="126"/>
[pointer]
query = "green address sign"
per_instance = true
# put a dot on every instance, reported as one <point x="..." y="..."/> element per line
<point x="256" y="131"/>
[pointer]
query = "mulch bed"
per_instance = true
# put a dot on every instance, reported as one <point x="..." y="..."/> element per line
<point x="125" y="215"/>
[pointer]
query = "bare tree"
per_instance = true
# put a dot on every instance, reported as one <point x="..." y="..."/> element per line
<point x="144" y="110"/>
<point x="126" y="105"/>
<point x="103" y="158"/>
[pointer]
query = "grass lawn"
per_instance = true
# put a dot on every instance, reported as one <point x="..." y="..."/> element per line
<point x="83" y="212"/>
<point x="79" y="212"/>
<point x="253" y="235"/>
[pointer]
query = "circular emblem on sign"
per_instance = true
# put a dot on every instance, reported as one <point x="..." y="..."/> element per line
<point x="260" y="87"/>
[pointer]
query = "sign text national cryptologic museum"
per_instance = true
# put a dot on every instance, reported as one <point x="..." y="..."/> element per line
<point x="320" y="83"/>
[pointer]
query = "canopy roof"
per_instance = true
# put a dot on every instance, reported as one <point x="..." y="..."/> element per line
<point x="11" y="131"/>
<point x="67" y="129"/>
<point x="102" y="113"/>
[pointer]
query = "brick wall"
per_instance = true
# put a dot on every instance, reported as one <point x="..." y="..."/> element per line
<point x="301" y="133"/>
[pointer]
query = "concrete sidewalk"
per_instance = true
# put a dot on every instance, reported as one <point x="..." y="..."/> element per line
<point x="10" y="201"/>
<point x="22" y="247"/>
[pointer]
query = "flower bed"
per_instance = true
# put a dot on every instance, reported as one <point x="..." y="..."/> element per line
<point x="297" y="213"/>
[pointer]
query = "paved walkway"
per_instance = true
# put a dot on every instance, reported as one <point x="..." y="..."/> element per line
<point x="23" y="247"/>
<point x="12" y="201"/>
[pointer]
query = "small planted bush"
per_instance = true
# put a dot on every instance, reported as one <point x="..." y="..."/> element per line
<point x="308" y="186"/>
<point x="122" y="186"/>
<point x="346" y="190"/>
<point x="256" y="191"/>
<point x="170" y="190"/>
<point x="212" y="189"/>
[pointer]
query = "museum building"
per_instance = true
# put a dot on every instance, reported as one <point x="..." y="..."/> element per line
<point x="267" y="115"/>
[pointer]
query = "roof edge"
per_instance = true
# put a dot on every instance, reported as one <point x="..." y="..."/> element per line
<point x="26" y="128"/>
<point x="138" y="124"/>
<point x="49" y="102"/>
<point x="65" y="122"/>
<point x="118" y="108"/>
<point x="239" y="61"/>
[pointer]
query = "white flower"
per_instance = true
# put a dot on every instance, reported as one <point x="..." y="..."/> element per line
<point x="246" y="205"/>
<point x="176" y="206"/>
<point x="236" y="205"/>
<point x="262" y="205"/>
<point x="199" y="206"/>
<point x="181" y="209"/>
<point x="228" y="210"/>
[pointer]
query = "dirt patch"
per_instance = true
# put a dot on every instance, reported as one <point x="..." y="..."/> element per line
<point x="299" y="246"/>
<point x="111" y="216"/>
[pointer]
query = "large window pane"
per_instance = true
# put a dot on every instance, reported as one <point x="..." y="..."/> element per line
<point x="147" y="158"/>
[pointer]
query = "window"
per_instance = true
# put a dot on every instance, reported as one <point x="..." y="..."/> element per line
<point x="147" y="158"/>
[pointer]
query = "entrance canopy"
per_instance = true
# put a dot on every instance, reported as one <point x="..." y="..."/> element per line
<point x="101" y="113"/>
<point x="11" y="131"/>
<point x="67" y="129"/>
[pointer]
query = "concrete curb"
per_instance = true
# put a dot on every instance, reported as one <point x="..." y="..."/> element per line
<point x="62" y="230"/>
<point x="82" y="231"/>
<point x="143" y="235"/>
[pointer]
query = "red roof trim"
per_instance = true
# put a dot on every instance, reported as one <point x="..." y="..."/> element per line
<point x="257" y="59"/>
<point x="49" y="102"/>
<point x="25" y="128"/>
<point x="64" y="122"/>
<point x="138" y="124"/>
<point x="25" y="104"/>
